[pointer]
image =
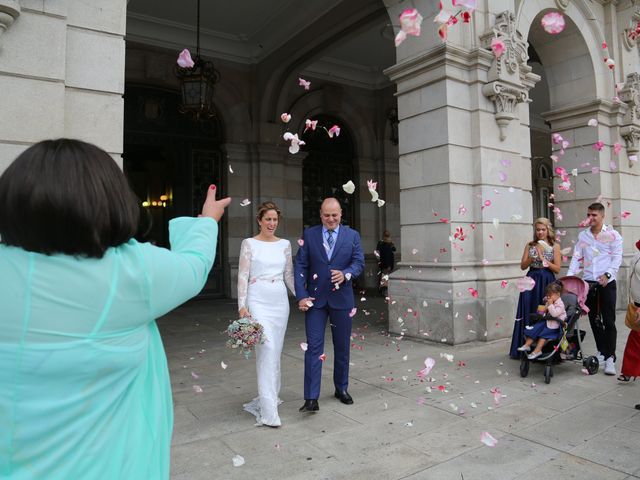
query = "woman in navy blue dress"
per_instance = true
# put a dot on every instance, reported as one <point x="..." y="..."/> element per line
<point x="542" y="257"/>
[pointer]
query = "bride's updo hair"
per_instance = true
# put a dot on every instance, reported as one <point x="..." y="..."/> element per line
<point x="265" y="207"/>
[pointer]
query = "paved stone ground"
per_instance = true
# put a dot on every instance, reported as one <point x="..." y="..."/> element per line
<point x="582" y="427"/>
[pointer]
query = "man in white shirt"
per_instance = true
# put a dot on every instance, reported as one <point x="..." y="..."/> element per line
<point x="599" y="249"/>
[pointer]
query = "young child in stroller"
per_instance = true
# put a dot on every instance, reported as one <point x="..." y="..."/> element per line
<point x="549" y="329"/>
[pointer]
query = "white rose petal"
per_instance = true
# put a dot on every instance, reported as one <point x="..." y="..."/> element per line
<point x="349" y="187"/>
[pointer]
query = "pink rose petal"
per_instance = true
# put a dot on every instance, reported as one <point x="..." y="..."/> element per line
<point x="488" y="440"/>
<point x="553" y="23"/>
<point x="497" y="47"/>
<point x="410" y="24"/>
<point x="525" y="283"/>
<point x="285" y="117"/>
<point x="185" y="60"/>
<point x="303" y="83"/>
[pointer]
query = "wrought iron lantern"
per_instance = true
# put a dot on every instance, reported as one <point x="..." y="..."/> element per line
<point x="197" y="83"/>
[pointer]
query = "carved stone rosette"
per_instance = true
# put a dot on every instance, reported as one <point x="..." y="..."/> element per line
<point x="9" y="11"/>
<point x="630" y="129"/>
<point x="509" y="77"/>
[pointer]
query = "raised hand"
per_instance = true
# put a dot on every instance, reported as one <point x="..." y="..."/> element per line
<point x="213" y="208"/>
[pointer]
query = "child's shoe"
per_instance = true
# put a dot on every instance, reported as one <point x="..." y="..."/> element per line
<point x="524" y="348"/>
<point x="534" y="355"/>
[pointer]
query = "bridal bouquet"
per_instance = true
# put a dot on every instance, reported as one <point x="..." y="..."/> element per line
<point x="245" y="334"/>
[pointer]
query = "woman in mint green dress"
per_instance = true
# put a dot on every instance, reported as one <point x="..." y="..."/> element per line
<point x="84" y="384"/>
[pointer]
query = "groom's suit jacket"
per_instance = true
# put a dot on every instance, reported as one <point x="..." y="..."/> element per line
<point x="313" y="267"/>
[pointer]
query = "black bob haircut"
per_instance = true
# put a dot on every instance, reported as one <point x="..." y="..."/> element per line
<point x="66" y="196"/>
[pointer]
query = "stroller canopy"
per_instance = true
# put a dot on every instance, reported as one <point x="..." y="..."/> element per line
<point x="579" y="288"/>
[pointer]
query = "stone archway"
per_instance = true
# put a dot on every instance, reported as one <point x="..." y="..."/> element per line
<point x="465" y="159"/>
<point x="579" y="88"/>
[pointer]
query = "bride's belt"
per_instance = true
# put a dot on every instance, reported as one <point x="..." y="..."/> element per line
<point x="266" y="279"/>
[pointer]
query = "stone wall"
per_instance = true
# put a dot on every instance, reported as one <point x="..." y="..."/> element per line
<point x="62" y="74"/>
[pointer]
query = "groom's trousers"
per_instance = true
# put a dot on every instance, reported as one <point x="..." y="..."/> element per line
<point x="316" y="324"/>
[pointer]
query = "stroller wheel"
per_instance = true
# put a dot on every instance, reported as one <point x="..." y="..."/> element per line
<point x="524" y="366"/>
<point x="591" y="364"/>
<point x="547" y="374"/>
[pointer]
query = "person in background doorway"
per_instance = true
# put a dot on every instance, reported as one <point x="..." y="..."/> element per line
<point x="386" y="251"/>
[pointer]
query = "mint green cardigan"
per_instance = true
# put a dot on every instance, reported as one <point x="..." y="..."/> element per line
<point x="84" y="384"/>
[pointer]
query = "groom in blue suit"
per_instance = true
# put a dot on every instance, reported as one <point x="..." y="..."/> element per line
<point x="326" y="263"/>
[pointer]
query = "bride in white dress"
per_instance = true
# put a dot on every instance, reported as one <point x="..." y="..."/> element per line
<point x="265" y="266"/>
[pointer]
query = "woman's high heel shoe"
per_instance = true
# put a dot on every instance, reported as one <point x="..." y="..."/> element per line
<point x="625" y="378"/>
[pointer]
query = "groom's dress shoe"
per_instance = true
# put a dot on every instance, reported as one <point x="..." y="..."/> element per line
<point x="344" y="397"/>
<point x="310" y="406"/>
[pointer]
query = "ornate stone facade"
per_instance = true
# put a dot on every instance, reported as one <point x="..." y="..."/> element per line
<point x="509" y="78"/>
<point x="630" y="128"/>
<point x="463" y="129"/>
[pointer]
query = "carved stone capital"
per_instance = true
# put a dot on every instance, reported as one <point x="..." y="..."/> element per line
<point x="631" y="136"/>
<point x="630" y="94"/>
<point x="562" y="4"/>
<point x="509" y="77"/>
<point x="630" y="128"/>
<point x="506" y="98"/>
<point x="9" y="11"/>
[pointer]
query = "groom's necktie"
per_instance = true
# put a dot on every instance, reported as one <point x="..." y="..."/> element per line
<point x="330" y="239"/>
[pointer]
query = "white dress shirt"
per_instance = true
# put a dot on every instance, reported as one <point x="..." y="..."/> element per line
<point x="598" y="255"/>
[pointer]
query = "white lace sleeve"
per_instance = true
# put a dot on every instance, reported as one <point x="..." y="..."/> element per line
<point x="288" y="269"/>
<point x="244" y="269"/>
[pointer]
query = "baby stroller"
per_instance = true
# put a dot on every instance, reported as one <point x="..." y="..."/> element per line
<point x="574" y="295"/>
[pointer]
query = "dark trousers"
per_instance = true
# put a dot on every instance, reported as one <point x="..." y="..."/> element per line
<point x="602" y="300"/>
<point x="316" y="323"/>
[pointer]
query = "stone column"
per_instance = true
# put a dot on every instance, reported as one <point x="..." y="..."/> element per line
<point x="238" y="159"/>
<point x="461" y="113"/>
<point x="62" y="74"/>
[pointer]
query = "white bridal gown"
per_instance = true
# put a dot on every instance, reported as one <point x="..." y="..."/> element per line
<point x="264" y="268"/>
